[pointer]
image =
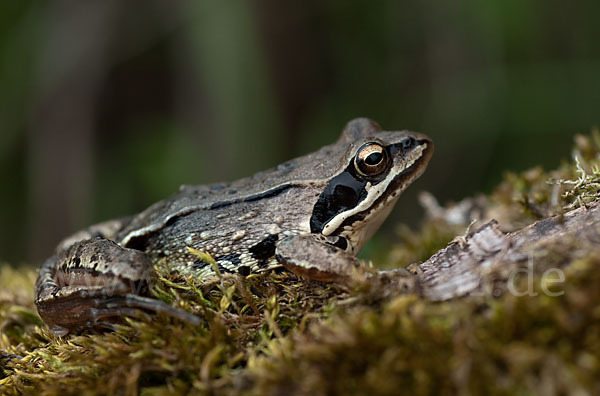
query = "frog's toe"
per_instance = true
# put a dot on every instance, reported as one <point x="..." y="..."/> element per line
<point x="113" y="309"/>
<point x="132" y="301"/>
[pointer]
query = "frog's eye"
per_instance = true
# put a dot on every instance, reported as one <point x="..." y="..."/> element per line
<point x="371" y="159"/>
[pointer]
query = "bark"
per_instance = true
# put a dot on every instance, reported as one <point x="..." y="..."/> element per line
<point x="488" y="261"/>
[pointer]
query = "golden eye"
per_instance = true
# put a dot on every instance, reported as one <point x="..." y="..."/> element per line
<point x="371" y="159"/>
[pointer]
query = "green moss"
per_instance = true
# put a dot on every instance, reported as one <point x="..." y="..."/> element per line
<point x="278" y="334"/>
<point x="510" y="345"/>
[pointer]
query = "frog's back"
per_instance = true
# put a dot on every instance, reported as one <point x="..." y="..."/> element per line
<point x="206" y="198"/>
<point x="315" y="169"/>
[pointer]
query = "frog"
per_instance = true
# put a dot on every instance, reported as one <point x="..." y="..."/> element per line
<point x="310" y="215"/>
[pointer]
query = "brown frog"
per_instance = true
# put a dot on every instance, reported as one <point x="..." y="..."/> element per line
<point x="311" y="215"/>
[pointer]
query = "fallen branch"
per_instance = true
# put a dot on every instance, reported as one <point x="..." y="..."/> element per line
<point x="486" y="260"/>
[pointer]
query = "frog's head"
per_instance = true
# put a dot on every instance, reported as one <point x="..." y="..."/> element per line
<point x="377" y="167"/>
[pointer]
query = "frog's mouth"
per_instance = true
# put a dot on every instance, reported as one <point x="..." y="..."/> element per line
<point x="355" y="209"/>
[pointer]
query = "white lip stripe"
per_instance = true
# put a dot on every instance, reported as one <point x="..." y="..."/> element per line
<point x="372" y="193"/>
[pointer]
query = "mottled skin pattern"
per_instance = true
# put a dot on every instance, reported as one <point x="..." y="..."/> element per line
<point x="320" y="202"/>
<point x="234" y="227"/>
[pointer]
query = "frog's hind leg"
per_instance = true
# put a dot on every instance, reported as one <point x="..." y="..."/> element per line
<point x="94" y="283"/>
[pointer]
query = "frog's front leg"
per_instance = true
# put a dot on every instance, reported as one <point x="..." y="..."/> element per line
<point x="323" y="258"/>
<point x="93" y="283"/>
<point x="318" y="258"/>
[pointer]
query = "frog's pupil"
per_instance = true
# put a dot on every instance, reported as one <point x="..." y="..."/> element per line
<point x="374" y="158"/>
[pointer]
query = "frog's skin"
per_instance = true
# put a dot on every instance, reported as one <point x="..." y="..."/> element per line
<point x="311" y="215"/>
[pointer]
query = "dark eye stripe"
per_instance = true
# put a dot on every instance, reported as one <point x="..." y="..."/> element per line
<point x="343" y="192"/>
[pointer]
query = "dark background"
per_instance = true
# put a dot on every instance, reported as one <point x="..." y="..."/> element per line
<point x="108" y="106"/>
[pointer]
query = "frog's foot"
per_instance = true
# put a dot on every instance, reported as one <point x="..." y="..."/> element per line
<point x="390" y="283"/>
<point x="94" y="283"/>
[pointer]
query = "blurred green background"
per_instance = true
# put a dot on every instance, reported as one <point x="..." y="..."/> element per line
<point x="108" y="106"/>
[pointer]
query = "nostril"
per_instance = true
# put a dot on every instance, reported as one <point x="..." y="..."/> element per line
<point x="408" y="143"/>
